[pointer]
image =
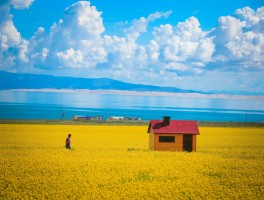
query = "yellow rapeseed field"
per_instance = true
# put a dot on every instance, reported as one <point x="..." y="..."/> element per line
<point x="113" y="162"/>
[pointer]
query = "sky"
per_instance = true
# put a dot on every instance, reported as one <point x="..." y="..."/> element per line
<point x="199" y="45"/>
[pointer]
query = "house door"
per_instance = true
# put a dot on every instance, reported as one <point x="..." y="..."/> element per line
<point x="187" y="142"/>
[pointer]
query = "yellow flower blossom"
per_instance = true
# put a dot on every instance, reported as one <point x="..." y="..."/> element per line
<point x="114" y="162"/>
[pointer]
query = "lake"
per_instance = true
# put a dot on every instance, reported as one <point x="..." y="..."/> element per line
<point x="51" y="105"/>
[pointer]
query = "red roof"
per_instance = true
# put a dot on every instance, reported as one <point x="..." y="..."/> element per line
<point x="175" y="126"/>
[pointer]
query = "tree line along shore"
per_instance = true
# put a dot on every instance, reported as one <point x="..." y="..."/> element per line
<point x="125" y="122"/>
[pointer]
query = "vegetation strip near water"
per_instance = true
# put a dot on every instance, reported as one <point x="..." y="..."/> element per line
<point x="126" y="122"/>
<point x="113" y="162"/>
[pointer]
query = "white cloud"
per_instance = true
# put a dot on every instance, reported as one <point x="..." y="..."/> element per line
<point x="125" y="52"/>
<point x="176" y="66"/>
<point x="250" y="16"/>
<point x="8" y="31"/>
<point x="82" y="21"/>
<point x="74" y="42"/>
<point x="180" y="46"/>
<point x="140" y="25"/>
<point x="153" y="51"/>
<point x="189" y="30"/>
<point x="13" y="48"/>
<point x="71" y="58"/>
<point x="228" y="29"/>
<point x="119" y="51"/>
<point x="158" y="15"/>
<point x="162" y="33"/>
<point x="42" y="55"/>
<point x="248" y="50"/>
<point x="21" y="4"/>
<point x="23" y="50"/>
<point x="240" y="41"/>
<point x="205" y="50"/>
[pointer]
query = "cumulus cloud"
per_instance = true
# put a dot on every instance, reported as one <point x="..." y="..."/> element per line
<point x="125" y="52"/>
<point x="162" y="33"/>
<point x="74" y="42"/>
<point x="251" y="17"/>
<point x="82" y="22"/>
<point x="184" y="47"/>
<point x="229" y="28"/>
<point x="240" y="40"/>
<point x="13" y="48"/>
<point x="71" y="57"/>
<point x="140" y="25"/>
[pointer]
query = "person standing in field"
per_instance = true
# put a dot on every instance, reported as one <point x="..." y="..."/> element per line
<point x="68" y="142"/>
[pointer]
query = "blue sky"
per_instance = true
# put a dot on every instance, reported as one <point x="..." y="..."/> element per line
<point x="45" y="12"/>
<point x="202" y="45"/>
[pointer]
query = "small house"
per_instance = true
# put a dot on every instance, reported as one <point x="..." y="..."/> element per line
<point x="173" y="135"/>
<point x="118" y="118"/>
<point x="86" y="118"/>
<point x="79" y="118"/>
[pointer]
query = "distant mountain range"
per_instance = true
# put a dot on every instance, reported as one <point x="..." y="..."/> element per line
<point x="34" y="81"/>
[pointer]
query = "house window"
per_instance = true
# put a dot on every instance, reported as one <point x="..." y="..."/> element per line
<point x="167" y="139"/>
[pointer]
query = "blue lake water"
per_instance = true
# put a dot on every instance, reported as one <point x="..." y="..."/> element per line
<point x="51" y="105"/>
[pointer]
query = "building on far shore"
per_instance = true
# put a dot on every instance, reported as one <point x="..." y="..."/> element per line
<point x="86" y="118"/>
<point x="120" y="118"/>
<point x="172" y="135"/>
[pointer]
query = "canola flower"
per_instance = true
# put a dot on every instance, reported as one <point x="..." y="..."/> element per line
<point x="113" y="162"/>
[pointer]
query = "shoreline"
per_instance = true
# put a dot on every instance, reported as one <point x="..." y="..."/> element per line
<point x="125" y="123"/>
